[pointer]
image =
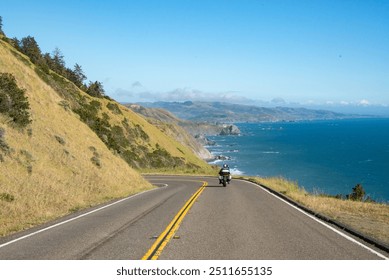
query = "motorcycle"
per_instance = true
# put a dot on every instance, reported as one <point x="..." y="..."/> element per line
<point x="224" y="179"/>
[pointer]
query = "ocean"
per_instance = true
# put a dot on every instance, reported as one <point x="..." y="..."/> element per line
<point x="330" y="156"/>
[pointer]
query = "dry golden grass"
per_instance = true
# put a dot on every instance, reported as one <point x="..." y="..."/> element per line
<point x="171" y="145"/>
<point x="371" y="219"/>
<point x="45" y="178"/>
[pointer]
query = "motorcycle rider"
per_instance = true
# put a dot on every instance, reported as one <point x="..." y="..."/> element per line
<point x="225" y="170"/>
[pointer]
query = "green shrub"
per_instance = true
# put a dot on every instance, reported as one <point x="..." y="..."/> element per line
<point x="160" y="158"/>
<point x="64" y="104"/>
<point x="96" y="105"/>
<point x="132" y="158"/>
<point x="96" y="161"/>
<point x="117" y="139"/>
<point x="3" y="145"/>
<point x="135" y="132"/>
<point x="13" y="100"/>
<point x="141" y="133"/>
<point x="96" y="157"/>
<point x="114" y="108"/>
<point x="357" y="194"/>
<point x="7" y="197"/>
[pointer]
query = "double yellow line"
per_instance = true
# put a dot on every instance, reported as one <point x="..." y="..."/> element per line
<point x="155" y="251"/>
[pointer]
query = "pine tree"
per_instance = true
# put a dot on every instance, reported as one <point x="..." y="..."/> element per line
<point x="79" y="75"/>
<point x="13" y="100"/>
<point x="1" y="26"/>
<point x="30" y="47"/>
<point x="58" y="62"/>
<point x="96" y="89"/>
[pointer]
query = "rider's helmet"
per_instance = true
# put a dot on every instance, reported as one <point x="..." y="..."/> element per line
<point x="225" y="166"/>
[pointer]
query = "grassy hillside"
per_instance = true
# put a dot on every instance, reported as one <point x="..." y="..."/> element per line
<point x="172" y="126"/>
<point x="76" y="152"/>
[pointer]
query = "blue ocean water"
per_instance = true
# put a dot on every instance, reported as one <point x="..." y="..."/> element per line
<point x="329" y="156"/>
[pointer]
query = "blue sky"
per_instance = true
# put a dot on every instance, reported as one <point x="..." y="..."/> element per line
<point x="329" y="53"/>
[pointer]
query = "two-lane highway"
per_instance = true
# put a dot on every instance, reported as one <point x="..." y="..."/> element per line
<point x="189" y="218"/>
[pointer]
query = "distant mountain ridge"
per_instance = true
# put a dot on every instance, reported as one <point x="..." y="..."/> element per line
<point x="222" y="112"/>
<point x="195" y="128"/>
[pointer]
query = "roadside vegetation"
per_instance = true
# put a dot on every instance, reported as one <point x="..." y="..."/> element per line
<point x="354" y="210"/>
<point x="13" y="101"/>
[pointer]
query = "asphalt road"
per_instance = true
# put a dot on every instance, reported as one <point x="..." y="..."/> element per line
<point x="185" y="218"/>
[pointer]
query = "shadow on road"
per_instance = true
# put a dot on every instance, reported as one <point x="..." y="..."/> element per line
<point x="215" y="186"/>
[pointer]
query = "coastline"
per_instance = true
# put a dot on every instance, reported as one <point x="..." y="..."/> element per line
<point x="366" y="220"/>
<point x="352" y="151"/>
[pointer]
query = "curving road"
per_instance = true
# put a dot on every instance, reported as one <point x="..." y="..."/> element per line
<point x="189" y="218"/>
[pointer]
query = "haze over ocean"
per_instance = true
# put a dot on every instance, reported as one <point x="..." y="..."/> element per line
<point x="329" y="156"/>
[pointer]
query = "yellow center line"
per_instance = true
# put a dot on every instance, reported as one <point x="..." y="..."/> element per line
<point x="156" y="249"/>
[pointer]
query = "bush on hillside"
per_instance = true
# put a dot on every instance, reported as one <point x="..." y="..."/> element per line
<point x="3" y="145"/>
<point x="95" y="159"/>
<point x="96" y="89"/>
<point x="114" y="108"/>
<point x="136" y="131"/>
<point x="6" y="197"/>
<point x="13" y="100"/>
<point x="358" y="193"/>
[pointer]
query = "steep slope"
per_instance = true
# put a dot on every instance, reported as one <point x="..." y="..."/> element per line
<point x="76" y="152"/>
<point x="50" y="166"/>
<point x="174" y="127"/>
<point x="127" y="134"/>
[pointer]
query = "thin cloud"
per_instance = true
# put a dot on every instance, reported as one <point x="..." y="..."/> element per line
<point x="136" y="84"/>
<point x="177" y="95"/>
<point x="364" y="102"/>
<point x="123" y="93"/>
<point x="184" y="94"/>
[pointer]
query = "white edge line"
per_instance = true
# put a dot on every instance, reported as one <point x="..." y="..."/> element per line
<point x="75" y="218"/>
<point x="324" y="224"/>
